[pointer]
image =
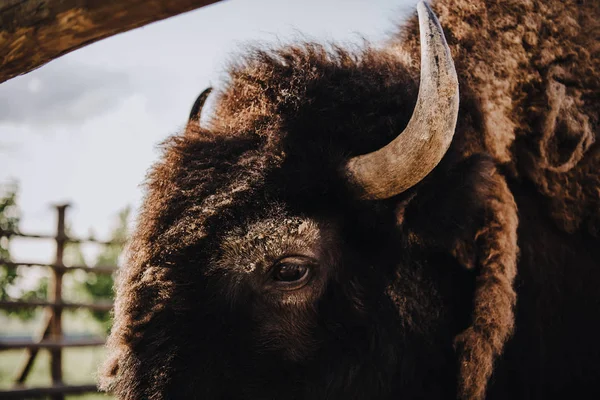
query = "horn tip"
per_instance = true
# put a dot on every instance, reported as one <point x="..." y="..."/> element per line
<point x="425" y="13"/>
<point x="423" y="7"/>
<point x="197" y="107"/>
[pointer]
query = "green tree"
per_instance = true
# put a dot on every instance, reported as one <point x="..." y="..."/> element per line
<point x="9" y="222"/>
<point x="100" y="286"/>
<point x="10" y="216"/>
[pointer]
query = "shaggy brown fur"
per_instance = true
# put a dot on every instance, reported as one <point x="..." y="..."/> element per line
<point x="414" y="295"/>
<point x="533" y="67"/>
<point x="494" y="297"/>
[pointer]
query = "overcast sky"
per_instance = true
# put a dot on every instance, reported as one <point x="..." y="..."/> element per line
<point x="83" y="129"/>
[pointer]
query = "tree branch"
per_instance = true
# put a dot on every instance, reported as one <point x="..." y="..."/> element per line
<point x="34" y="32"/>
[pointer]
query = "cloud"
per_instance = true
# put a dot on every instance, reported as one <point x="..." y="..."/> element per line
<point x="63" y="93"/>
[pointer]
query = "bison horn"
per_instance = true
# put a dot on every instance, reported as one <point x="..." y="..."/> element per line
<point x="414" y="153"/>
<point x="197" y="107"/>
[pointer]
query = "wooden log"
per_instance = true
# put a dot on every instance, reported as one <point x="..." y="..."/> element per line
<point x="100" y="306"/>
<point x="100" y="269"/>
<point x="50" y="344"/>
<point x="55" y="296"/>
<point x="90" y="239"/>
<point x="34" y="32"/>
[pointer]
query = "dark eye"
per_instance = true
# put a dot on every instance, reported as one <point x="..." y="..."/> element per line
<point x="292" y="273"/>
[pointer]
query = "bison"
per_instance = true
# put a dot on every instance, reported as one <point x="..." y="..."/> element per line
<point x="349" y="224"/>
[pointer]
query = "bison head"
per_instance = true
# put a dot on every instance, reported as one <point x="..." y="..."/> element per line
<point x="300" y="244"/>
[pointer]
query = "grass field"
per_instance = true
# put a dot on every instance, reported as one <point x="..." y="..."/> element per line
<point x="80" y="365"/>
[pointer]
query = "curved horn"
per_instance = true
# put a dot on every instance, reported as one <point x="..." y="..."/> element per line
<point x="406" y="160"/>
<point x="197" y="107"/>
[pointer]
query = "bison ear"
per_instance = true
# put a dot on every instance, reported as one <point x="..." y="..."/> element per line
<point x="470" y="213"/>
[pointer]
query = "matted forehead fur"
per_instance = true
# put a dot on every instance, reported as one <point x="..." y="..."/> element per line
<point x="260" y="244"/>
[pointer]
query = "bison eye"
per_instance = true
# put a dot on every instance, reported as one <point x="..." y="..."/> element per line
<point x="292" y="273"/>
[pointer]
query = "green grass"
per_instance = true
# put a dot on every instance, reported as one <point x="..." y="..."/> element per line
<point x="80" y="365"/>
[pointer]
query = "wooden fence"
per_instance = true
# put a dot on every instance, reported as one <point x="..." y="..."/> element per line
<point x="51" y="336"/>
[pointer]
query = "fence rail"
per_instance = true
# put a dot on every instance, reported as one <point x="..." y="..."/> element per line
<point x="99" y="306"/>
<point x="63" y="237"/>
<point x="52" y="337"/>
<point x="50" y="344"/>
<point x="64" y="268"/>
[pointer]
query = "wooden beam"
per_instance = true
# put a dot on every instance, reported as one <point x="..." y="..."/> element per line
<point x="34" y="32"/>
<point x="55" y="296"/>
<point x="50" y="344"/>
<point x="101" y="269"/>
<point x="11" y="234"/>
<point x="99" y="306"/>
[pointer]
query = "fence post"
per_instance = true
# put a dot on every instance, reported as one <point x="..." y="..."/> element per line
<point x="55" y="293"/>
